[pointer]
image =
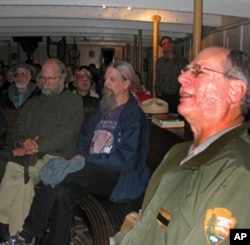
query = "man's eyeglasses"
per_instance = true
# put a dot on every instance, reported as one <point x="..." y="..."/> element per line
<point x="17" y="75"/>
<point x="49" y="79"/>
<point x="196" y="69"/>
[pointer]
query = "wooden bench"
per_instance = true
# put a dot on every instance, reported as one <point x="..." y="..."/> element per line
<point x="103" y="217"/>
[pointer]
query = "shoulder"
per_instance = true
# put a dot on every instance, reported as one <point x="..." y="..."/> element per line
<point x="160" y="59"/>
<point x="31" y="86"/>
<point x="12" y="88"/>
<point x="181" y="58"/>
<point x="68" y="95"/>
<point x="133" y="110"/>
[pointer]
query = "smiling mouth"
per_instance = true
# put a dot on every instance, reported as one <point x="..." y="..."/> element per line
<point x="185" y="95"/>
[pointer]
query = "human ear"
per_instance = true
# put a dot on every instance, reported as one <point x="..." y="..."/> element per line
<point x="126" y="84"/>
<point x="237" y="90"/>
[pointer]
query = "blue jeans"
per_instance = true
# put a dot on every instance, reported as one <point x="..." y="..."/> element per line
<point x="53" y="206"/>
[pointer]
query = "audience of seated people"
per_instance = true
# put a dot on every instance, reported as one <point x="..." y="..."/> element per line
<point x="81" y="84"/>
<point x="113" y="146"/>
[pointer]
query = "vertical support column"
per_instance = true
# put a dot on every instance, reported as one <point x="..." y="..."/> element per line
<point x="156" y="19"/>
<point x="140" y="51"/>
<point x="127" y="52"/>
<point x="135" y="53"/>
<point x="197" y="27"/>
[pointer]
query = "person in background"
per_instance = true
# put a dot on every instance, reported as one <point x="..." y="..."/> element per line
<point x="48" y="126"/>
<point x="93" y="92"/>
<point x="70" y="77"/>
<point x="38" y="82"/>
<point x="10" y="77"/>
<point x="2" y="82"/>
<point x="21" y="91"/>
<point x="95" y="77"/>
<point x="83" y="88"/>
<point x="100" y="83"/>
<point x="114" y="146"/>
<point x="193" y="196"/>
<point x="167" y="69"/>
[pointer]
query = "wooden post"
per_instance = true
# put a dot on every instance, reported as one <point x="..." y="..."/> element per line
<point x="139" y="51"/>
<point x="127" y="52"/>
<point x="135" y="53"/>
<point x="156" y="19"/>
<point x="197" y="27"/>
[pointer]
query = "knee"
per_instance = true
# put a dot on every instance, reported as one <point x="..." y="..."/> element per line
<point x="64" y="194"/>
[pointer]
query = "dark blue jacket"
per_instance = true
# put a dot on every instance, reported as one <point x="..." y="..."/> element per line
<point x="131" y="141"/>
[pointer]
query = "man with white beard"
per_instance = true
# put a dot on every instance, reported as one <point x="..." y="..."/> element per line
<point x="21" y="90"/>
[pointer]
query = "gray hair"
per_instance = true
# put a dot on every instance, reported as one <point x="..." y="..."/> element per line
<point x="126" y="70"/>
<point x="238" y="67"/>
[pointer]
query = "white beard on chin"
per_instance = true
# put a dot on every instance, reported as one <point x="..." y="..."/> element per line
<point x="22" y="85"/>
<point x="54" y="91"/>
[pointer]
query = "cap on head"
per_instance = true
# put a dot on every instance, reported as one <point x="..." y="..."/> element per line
<point x="23" y="65"/>
<point x="82" y="73"/>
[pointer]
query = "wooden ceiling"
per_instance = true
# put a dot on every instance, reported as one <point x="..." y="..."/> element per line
<point x="115" y="20"/>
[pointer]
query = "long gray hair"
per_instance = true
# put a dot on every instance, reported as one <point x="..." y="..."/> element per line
<point x="127" y="72"/>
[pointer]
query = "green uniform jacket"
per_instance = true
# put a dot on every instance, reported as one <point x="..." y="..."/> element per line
<point x="198" y="202"/>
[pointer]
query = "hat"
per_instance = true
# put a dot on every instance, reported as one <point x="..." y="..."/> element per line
<point x="23" y="65"/>
<point x="82" y="73"/>
<point x="154" y="105"/>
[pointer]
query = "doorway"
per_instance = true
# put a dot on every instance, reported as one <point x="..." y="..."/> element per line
<point x="107" y="55"/>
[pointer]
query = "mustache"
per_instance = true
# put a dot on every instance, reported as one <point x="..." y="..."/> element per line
<point x="106" y="90"/>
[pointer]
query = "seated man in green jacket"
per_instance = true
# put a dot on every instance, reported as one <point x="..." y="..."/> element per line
<point x="201" y="189"/>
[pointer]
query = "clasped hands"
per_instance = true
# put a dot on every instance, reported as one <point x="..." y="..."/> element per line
<point x="26" y="147"/>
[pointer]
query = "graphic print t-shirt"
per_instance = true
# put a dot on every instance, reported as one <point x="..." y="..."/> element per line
<point x="103" y="139"/>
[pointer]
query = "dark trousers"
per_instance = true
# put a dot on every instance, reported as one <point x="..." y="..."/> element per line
<point x="173" y="102"/>
<point x="53" y="206"/>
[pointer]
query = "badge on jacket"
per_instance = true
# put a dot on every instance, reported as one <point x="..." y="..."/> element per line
<point x="217" y="225"/>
